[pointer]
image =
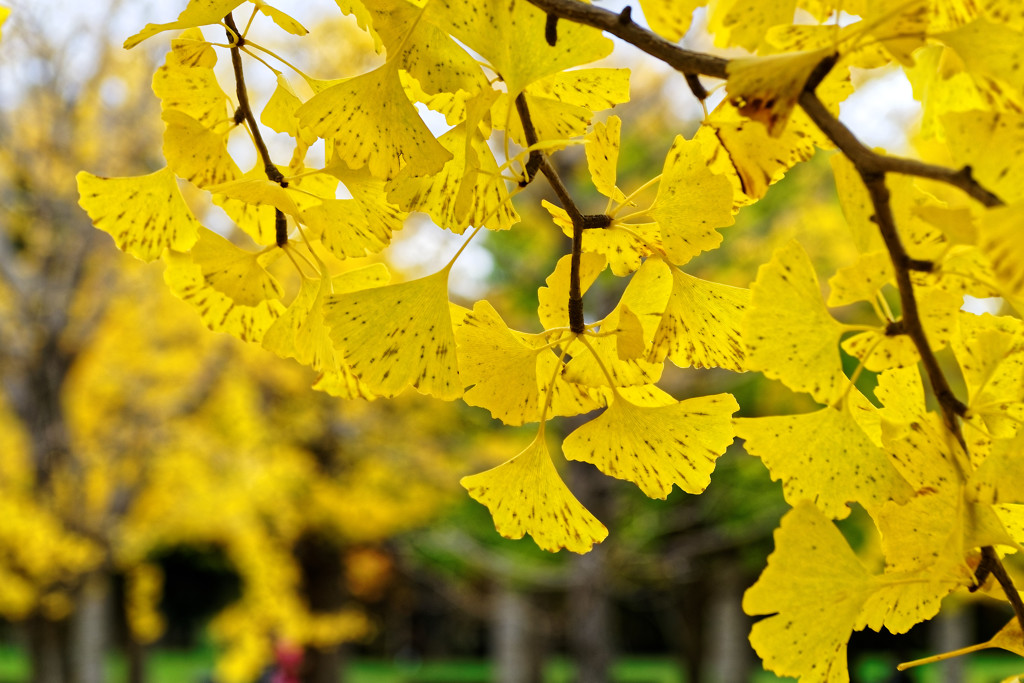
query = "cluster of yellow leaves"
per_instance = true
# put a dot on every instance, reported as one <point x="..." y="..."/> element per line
<point x="935" y="501"/>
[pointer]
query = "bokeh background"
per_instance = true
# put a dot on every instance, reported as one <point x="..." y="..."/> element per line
<point x="178" y="507"/>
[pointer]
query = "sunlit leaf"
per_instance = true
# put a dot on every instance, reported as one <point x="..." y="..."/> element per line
<point x="145" y="214"/>
<point x="526" y="496"/>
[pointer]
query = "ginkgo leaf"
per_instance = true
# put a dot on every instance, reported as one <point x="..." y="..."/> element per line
<point x="989" y="50"/>
<point x="692" y="203"/>
<point x="824" y="457"/>
<point x="603" y="157"/>
<point x="979" y="139"/>
<point x="218" y="312"/>
<point x="879" y="351"/>
<point x="1001" y="242"/>
<point x="510" y="371"/>
<point x="196" y="153"/>
<point x="990" y="351"/>
<point x="629" y="335"/>
<point x="525" y="495"/>
<point x="862" y="281"/>
<point x="144" y="214"/>
<point x="234" y="271"/>
<point x="399" y="335"/>
<point x="347" y="230"/>
<point x="752" y="160"/>
<point x="193" y="90"/>
<point x="553" y="297"/>
<point x="197" y="13"/>
<point x="766" y="88"/>
<point x="788" y="332"/>
<point x="279" y="113"/>
<point x="286" y="22"/>
<point x="997" y="479"/>
<point x="509" y="34"/>
<point x="373" y="124"/>
<point x="814" y="588"/>
<point x="670" y="18"/>
<point x="702" y="323"/>
<point x="656" y="447"/>
<point x="469" y="190"/>
<point x="563" y="104"/>
<point x="191" y="50"/>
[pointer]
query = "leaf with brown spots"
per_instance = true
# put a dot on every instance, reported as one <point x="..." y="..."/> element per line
<point x="826" y="458"/>
<point x="373" y="124"/>
<point x="398" y="336"/>
<point x="656" y="447"/>
<point x="789" y="334"/>
<point x="144" y="214"/>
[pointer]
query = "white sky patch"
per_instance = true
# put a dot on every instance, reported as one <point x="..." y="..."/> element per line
<point x="992" y="304"/>
<point x="882" y="112"/>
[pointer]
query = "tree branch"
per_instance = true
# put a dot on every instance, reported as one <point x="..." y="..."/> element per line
<point x="624" y="27"/>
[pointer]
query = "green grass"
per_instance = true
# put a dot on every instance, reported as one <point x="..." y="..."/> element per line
<point x="170" y="666"/>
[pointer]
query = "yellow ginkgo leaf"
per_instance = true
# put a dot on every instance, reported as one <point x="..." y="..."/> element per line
<point x="284" y="21"/>
<point x="692" y="203"/>
<point x="990" y="351"/>
<point x="997" y="479"/>
<point x="879" y="351"/>
<point x="989" y="51"/>
<point x="346" y="229"/>
<point x="752" y="160"/>
<point x="217" y="310"/>
<point x="4" y="13"/>
<point x="670" y="18"/>
<point x="373" y="124"/>
<point x="526" y="496"/>
<point x="144" y="214"/>
<point x="1001" y="242"/>
<point x="197" y="13"/>
<point x="399" y="335"/>
<point x="563" y="104"/>
<point x="196" y="153"/>
<point x="603" y="157"/>
<point x="191" y="89"/>
<point x="826" y="458"/>
<point x="766" y="88"/>
<point x="501" y="366"/>
<point x="509" y="34"/>
<point x="788" y="332"/>
<point x="656" y="447"/>
<point x="343" y="384"/>
<point x="191" y="50"/>
<point x="469" y="190"/>
<point x="979" y="139"/>
<point x="233" y="271"/>
<point x="629" y="335"/>
<point x="1009" y="637"/>
<point x="279" y="113"/>
<point x="702" y="324"/>
<point x="813" y="588"/>
<point x="862" y="281"/>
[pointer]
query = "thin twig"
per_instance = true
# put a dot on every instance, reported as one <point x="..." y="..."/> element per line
<point x="579" y="221"/>
<point x="236" y="40"/>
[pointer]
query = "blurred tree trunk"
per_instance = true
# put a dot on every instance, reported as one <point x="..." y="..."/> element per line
<point x="515" y="635"/>
<point x="951" y="631"/>
<point x="47" y="641"/>
<point x="727" y="651"/>
<point x="89" y="627"/>
<point x="136" y="655"/>
<point x="589" y="605"/>
<point x="320" y="559"/>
